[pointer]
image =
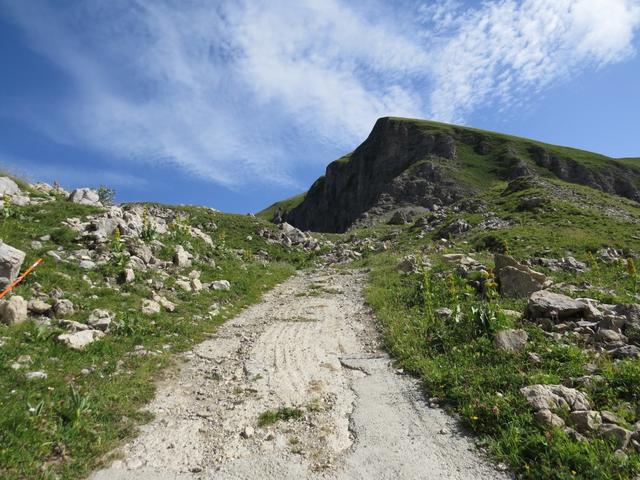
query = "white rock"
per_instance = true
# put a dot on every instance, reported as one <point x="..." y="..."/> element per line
<point x="13" y="311"/>
<point x="181" y="257"/>
<point x="79" y="340"/>
<point x="150" y="307"/>
<point x="85" y="196"/>
<point x="184" y="285"/>
<point x="221" y="285"/>
<point x="101" y="319"/>
<point x="63" y="308"/>
<point x="38" y="307"/>
<point x="11" y="260"/>
<point x="8" y="187"/>
<point x="36" y="376"/>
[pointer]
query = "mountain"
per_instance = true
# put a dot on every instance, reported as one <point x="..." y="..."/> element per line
<point x="416" y="165"/>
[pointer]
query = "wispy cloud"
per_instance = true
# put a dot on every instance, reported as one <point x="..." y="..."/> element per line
<point x="507" y="51"/>
<point x="226" y="90"/>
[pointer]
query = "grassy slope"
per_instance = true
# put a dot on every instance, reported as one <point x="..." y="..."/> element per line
<point x="456" y="359"/>
<point x="66" y="435"/>
<point x="285" y="206"/>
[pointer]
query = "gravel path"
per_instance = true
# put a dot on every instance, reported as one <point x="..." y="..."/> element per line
<point x="309" y="344"/>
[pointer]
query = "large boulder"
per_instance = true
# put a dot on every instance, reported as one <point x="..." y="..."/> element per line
<point x="517" y="280"/>
<point x="85" y="196"/>
<point x="11" y="260"/>
<point x="553" y="305"/>
<point x="13" y="311"/>
<point x="550" y="397"/>
<point x="8" y="187"/>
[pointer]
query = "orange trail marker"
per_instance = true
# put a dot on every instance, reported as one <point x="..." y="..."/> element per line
<point x="21" y="277"/>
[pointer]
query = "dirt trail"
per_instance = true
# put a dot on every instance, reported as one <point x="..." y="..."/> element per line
<point x="309" y="344"/>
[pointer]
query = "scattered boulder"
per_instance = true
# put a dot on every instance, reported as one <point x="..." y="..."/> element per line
<point x="549" y="397"/>
<point x="183" y="285"/>
<point x="182" y="258"/>
<point x="411" y="264"/>
<point x="568" y="263"/>
<point x="510" y="340"/>
<point x="221" y="285"/>
<point x="553" y="305"/>
<point x="63" y="308"/>
<point x="164" y="303"/>
<point x="8" y="187"/>
<point x="457" y="227"/>
<point x="100" y="319"/>
<point x="13" y="311"/>
<point x="85" y="196"/>
<point x="400" y="217"/>
<point x="38" y="307"/>
<point x="127" y="276"/>
<point x="586" y="420"/>
<point x="39" y="375"/>
<point x="150" y="307"/>
<point x="79" y="340"/>
<point x="517" y="280"/>
<point x="546" y="417"/>
<point x="11" y="260"/>
<point x="614" y="433"/>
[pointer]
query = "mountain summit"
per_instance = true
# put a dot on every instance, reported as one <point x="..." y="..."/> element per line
<point x="408" y="165"/>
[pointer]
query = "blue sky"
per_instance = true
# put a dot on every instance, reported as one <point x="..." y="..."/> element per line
<point x="237" y="104"/>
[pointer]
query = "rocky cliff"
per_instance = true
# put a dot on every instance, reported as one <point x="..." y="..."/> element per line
<point x="419" y="165"/>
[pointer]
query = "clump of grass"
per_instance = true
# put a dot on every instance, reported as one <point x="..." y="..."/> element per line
<point x="270" y="417"/>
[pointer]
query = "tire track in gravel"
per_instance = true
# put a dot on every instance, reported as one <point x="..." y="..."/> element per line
<point x="310" y="344"/>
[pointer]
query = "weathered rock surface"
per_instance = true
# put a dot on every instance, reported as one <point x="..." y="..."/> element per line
<point x="510" y="340"/>
<point x="79" y="340"/>
<point x="8" y="187"/>
<point x="515" y="279"/>
<point x="550" y="397"/>
<point x="381" y="174"/>
<point x="85" y="196"/>
<point x="11" y="260"/>
<point x="13" y="310"/>
<point x="548" y="304"/>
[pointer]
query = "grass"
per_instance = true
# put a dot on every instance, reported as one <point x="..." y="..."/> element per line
<point x="284" y="206"/>
<point x="64" y="425"/>
<point x="285" y="414"/>
<point x="458" y="363"/>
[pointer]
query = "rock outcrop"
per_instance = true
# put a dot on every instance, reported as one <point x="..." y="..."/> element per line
<point x="399" y="164"/>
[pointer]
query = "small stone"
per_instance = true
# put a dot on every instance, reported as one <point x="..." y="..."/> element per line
<point x="547" y="418"/>
<point x="36" y="375"/>
<point x="150" y="307"/>
<point x="586" y="420"/>
<point x="100" y="319"/>
<point x="184" y="285"/>
<point x="13" y="311"/>
<point x="63" y="308"/>
<point x="221" y="285"/>
<point x="609" y="417"/>
<point x="247" y="432"/>
<point x="79" y="340"/>
<point x="510" y="340"/>
<point x="38" y="307"/>
<point x="87" y="264"/>
<point x="127" y="276"/>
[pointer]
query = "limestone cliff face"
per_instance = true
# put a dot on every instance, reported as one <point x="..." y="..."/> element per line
<point x="413" y="164"/>
<point x="398" y="164"/>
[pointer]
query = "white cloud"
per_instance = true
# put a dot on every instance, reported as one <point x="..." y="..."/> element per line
<point x="509" y="50"/>
<point x="232" y="91"/>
